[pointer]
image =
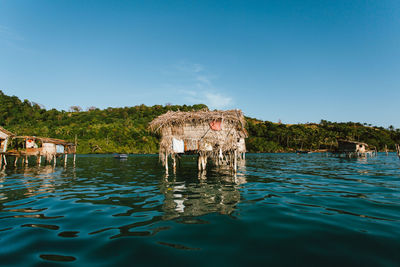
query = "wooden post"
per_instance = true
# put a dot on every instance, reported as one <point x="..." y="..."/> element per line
<point x="1" y="160"/>
<point x="235" y="161"/>
<point x="398" y="150"/>
<point x="174" y="162"/>
<point x="54" y="160"/>
<point x="39" y="160"/>
<point x="166" y="162"/>
<point x="199" y="162"/>
<point x="204" y="162"/>
<point x="15" y="161"/>
<point x="26" y="160"/>
<point x="5" y="160"/>
<point x="76" y="144"/>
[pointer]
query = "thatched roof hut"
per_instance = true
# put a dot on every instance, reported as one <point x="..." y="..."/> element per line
<point x="48" y="147"/>
<point x="218" y="135"/>
<point x="351" y="146"/>
<point x="353" y="149"/>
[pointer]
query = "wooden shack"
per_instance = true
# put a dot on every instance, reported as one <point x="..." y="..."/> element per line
<point x="353" y="149"/>
<point x="215" y="135"/>
<point x="50" y="148"/>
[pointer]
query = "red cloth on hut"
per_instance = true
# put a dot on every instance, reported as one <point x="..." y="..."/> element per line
<point x="216" y="125"/>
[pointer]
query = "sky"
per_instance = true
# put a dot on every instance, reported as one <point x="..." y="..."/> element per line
<point x="293" y="61"/>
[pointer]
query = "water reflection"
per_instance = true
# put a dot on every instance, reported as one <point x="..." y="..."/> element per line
<point x="219" y="192"/>
<point x="135" y="197"/>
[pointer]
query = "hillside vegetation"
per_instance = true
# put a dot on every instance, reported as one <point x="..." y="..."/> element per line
<point x="124" y="130"/>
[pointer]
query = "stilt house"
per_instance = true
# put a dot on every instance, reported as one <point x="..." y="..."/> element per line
<point x="50" y="148"/>
<point x="353" y="149"/>
<point x="215" y="135"/>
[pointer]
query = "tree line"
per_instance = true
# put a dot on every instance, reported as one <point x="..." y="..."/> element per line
<point x="124" y="130"/>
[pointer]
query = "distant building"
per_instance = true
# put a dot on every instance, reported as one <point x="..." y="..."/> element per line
<point x="353" y="149"/>
<point x="43" y="146"/>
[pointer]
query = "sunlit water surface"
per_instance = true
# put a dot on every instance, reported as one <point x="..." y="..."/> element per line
<point x="282" y="209"/>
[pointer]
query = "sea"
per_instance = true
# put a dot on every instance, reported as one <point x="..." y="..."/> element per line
<point x="277" y="210"/>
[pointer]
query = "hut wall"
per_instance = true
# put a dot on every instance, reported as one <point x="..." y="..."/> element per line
<point x="49" y="148"/>
<point x="59" y="148"/>
<point x="242" y="145"/>
<point x="70" y="149"/>
<point x="202" y="137"/>
<point x="347" y="147"/>
<point x="3" y="144"/>
<point x="361" y="148"/>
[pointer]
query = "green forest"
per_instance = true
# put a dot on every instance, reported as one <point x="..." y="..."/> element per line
<point x="125" y="129"/>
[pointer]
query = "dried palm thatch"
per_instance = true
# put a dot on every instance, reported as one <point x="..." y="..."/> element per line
<point x="179" y="118"/>
<point x="196" y="130"/>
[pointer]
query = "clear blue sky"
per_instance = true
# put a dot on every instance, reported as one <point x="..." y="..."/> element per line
<point x="298" y="61"/>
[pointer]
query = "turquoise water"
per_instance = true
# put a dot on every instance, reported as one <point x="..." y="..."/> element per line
<point x="280" y="209"/>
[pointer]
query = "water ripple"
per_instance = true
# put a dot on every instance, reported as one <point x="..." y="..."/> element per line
<point x="112" y="212"/>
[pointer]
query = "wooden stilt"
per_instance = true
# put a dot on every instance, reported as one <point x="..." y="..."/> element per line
<point x="39" y="159"/>
<point x="15" y="161"/>
<point x="74" y="158"/>
<point x="235" y="161"/>
<point x="174" y="163"/>
<point x="204" y="162"/>
<point x="5" y="160"/>
<point x="54" y="160"/>
<point x="199" y="163"/>
<point x="1" y="160"/>
<point x="166" y="162"/>
<point x="26" y="160"/>
<point x="65" y="159"/>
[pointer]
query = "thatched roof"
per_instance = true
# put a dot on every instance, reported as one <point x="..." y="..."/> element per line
<point x="179" y="118"/>
<point x="6" y="132"/>
<point x="47" y="140"/>
<point x="351" y="142"/>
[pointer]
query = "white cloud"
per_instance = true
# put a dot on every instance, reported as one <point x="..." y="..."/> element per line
<point x="196" y="85"/>
<point x="213" y="100"/>
<point x="216" y="100"/>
